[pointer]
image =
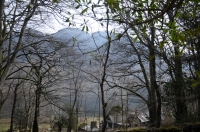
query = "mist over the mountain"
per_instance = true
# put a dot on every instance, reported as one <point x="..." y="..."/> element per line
<point x="83" y="43"/>
<point x="86" y="43"/>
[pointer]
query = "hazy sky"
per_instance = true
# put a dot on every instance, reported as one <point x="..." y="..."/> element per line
<point x="53" y="24"/>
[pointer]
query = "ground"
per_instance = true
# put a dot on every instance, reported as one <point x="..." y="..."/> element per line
<point x="43" y="127"/>
<point x="4" y="125"/>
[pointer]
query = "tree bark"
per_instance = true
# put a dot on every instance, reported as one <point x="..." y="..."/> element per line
<point x="181" y="107"/>
<point x="1" y="46"/>
<point x="154" y="95"/>
<point x="103" y="77"/>
<point x="71" y="112"/>
<point x="35" y="121"/>
<point x="13" y="108"/>
<point x="197" y="68"/>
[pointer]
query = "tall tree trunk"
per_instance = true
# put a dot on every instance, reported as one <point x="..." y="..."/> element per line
<point x="178" y="81"/>
<point x="154" y="95"/>
<point x="1" y="33"/>
<point x="13" y="107"/>
<point x="71" y="112"/>
<point x="1" y="50"/>
<point x="60" y="127"/>
<point x="181" y="107"/>
<point x="158" y="95"/>
<point x="198" y="105"/>
<point x="197" y="68"/>
<point x="104" y="104"/>
<point x="8" y="64"/>
<point x="103" y="109"/>
<point x="103" y="77"/>
<point x="1" y="99"/>
<point x="26" y="123"/>
<point x="35" y="121"/>
<point x="194" y="62"/>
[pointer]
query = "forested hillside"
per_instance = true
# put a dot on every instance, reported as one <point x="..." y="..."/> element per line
<point x="144" y="61"/>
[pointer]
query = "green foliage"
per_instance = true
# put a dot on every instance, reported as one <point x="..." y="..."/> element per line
<point x="162" y="44"/>
<point x="197" y="31"/>
<point x="135" y="39"/>
<point x="67" y="20"/>
<point x="152" y="57"/>
<point x="197" y="81"/>
<point x="84" y="10"/>
<point x="119" y="36"/>
<point x="113" y="4"/>
<point x="85" y="28"/>
<point x="56" y="1"/>
<point x="4" y="30"/>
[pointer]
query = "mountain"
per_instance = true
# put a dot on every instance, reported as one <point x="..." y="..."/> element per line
<point x="79" y="38"/>
<point x="79" y="41"/>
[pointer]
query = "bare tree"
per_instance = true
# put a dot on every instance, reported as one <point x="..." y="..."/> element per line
<point x="100" y="60"/>
<point x="16" y="89"/>
<point x="15" y="17"/>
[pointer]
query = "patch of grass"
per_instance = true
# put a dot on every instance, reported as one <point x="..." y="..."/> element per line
<point x="44" y="126"/>
<point x="89" y="120"/>
<point x="4" y="125"/>
<point x="138" y="130"/>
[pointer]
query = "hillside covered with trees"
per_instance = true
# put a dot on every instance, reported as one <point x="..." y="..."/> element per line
<point x="146" y="59"/>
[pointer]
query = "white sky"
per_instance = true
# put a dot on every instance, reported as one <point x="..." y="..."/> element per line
<point x="52" y="25"/>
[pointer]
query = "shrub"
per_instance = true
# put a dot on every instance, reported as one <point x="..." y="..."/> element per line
<point x="191" y="127"/>
<point x="187" y="127"/>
